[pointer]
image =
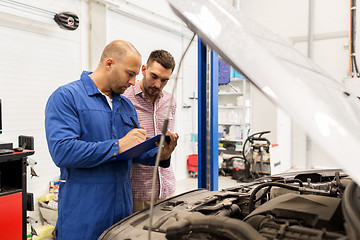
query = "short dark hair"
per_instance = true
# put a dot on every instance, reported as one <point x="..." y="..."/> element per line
<point x="163" y="57"/>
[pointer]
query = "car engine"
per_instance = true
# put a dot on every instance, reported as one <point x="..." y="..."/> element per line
<point x="308" y="205"/>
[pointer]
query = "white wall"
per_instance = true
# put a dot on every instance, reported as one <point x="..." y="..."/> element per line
<point x="331" y="28"/>
<point x="37" y="57"/>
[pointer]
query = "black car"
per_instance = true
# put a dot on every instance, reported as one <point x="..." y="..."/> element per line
<point x="300" y="205"/>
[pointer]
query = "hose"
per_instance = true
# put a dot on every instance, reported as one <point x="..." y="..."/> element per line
<point x="294" y="188"/>
<point x="224" y="227"/>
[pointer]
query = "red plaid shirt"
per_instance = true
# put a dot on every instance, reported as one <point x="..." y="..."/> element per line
<point x="151" y="118"/>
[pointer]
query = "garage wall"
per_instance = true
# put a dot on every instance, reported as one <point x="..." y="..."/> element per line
<point x="37" y="57"/>
<point x="289" y="18"/>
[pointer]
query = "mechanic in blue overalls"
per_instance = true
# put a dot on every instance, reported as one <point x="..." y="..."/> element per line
<point x="88" y="123"/>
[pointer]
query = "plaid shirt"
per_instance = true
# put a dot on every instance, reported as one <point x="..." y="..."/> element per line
<point x="151" y="118"/>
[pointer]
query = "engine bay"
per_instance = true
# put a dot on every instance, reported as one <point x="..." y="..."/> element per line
<point x="307" y="205"/>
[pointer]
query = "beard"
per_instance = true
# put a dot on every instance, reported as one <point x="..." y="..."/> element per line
<point x="116" y="83"/>
<point x="120" y="90"/>
<point x="151" y="91"/>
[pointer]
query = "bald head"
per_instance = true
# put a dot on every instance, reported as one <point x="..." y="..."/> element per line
<point x="119" y="64"/>
<point x="117" y="50"/>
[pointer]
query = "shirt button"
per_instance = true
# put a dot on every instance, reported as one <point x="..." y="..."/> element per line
<point x="116" y="143"/>
<point x="114" y="154"/>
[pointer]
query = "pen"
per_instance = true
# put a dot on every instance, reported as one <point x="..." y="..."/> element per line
<point x="133" y="121"/>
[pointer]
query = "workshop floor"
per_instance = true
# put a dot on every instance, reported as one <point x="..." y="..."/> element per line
<point x="190" y="183"/>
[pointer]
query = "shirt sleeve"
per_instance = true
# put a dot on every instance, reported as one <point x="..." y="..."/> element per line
<point x="148" y="158"/>
<point x="62" y="128"/>
<point x="171" y="126"/>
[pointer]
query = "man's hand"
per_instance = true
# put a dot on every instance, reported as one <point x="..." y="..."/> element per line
<point x="168" y="148"/>
<point x="132" y="138"/>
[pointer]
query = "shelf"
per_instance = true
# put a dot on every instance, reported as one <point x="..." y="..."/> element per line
<point x="237" y="79"/>
<point x="234" y="108"/>
<point x="15" y="156"/>
<point x="229" y="123"/>
<point x="230" y="140"/>
<point x="231" y="94"/>
<point x="230" y="150"/>
<point x="5" y="190"/>
<point x="230" y="107"/>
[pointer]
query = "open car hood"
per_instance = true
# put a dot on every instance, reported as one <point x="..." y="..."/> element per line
<point x="322" y="106"/>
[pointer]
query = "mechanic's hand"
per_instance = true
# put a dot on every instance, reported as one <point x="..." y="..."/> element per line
<point x="168" y="148"/>
<point x="131" y="139"/>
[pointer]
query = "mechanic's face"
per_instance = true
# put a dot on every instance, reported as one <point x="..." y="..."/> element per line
<point x="124" y="72"/>
<point x="155" y="77"/>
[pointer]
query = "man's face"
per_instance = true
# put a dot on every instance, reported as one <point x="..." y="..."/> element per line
<point x="155" y="77"/>
<point x="124" y="72"/>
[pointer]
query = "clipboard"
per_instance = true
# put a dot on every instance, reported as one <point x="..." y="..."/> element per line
<point x="141" y="148"/>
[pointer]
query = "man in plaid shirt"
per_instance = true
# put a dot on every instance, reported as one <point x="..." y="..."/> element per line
<point x="151" y="103"/>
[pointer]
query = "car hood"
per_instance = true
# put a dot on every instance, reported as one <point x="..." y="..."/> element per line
<point x="321" y="105"/>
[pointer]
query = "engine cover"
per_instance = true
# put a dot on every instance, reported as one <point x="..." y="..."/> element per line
<point x="307" y="210"/>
